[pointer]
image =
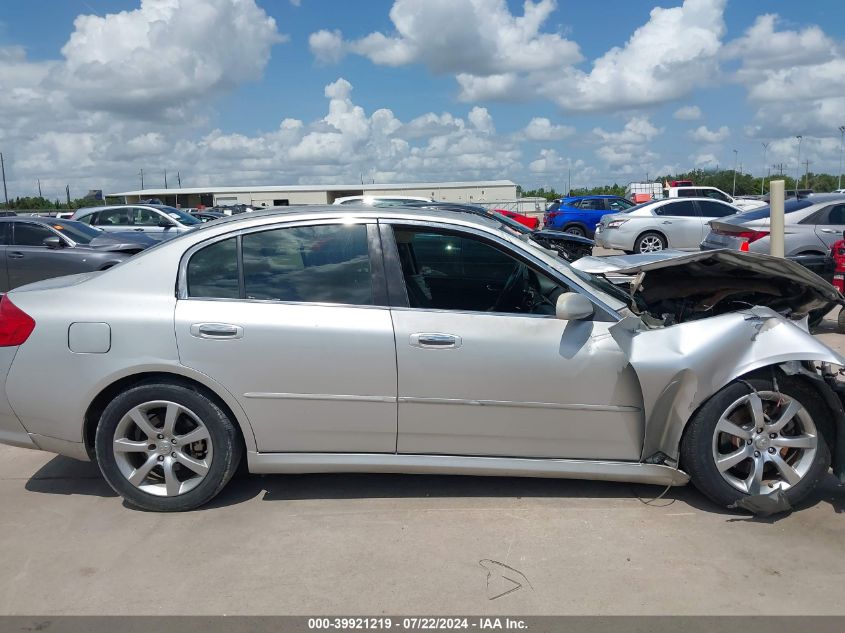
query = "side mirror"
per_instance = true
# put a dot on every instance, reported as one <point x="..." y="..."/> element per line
<point x="573" y="307"/>
<point x="164" y="223"/>
<point x="53" y="242"/>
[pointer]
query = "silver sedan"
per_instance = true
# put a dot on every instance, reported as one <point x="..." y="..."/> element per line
<point x="411" y="341"/>
<point x="676" y="223"/>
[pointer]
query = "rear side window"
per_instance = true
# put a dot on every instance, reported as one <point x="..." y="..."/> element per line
<point x="213" y="271"/>
<point x="836" y="215"/>
<point x="680" y="209"/>
<point x="4" y="233"/>
<point x="689" y="193"/>
<point x="321" y="264"/>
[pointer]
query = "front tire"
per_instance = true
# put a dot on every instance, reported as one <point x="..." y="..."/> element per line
<point x="166" y="447"/>
<point x="746" y="441"/>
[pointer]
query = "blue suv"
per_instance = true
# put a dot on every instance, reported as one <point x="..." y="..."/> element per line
<point x="579" y="215"/>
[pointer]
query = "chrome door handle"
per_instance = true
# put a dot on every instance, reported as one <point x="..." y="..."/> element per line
<point x="216" y="330"/>
<point x="434" y="340"/>
<point x="15" y="255"/>
<point x="667" y="221"/>
<point x="830" y="231"/>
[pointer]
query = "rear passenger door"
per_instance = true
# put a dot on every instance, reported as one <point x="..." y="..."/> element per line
<point x="681" y="223"/>
<point x="830" y="224"/>
<point x="293" y="321"/>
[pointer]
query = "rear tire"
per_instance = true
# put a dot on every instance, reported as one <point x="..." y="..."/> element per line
<point x="574" y="229"/>
<point x="728" y="459"/>
<point x="650" y="242"/>
<point x="166" y="447"/>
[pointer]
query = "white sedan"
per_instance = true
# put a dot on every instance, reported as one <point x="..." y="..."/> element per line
<point x="678" y="223"/>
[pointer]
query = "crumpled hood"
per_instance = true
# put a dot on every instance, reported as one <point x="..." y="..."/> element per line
<point x="551" y="234"/>
<point x="723" y="260"/>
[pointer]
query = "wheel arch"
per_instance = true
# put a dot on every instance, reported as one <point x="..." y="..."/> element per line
<point x="656" y="232"/>
<point x="107" y="393"/>
<point x="577" y="223"/>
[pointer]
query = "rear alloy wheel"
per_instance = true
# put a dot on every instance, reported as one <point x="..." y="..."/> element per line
<point x="744" y="442"/>
<point x="575" y="230"/>
<point x="650" y="243"/>
<point x="166" y="447"/>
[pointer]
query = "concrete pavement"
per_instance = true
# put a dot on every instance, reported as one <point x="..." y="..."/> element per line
<point x="390" y="544"/>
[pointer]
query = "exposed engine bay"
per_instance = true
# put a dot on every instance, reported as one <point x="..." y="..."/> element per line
<point x="673" y="287"/>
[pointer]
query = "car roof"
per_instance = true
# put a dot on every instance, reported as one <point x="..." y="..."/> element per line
<point x="42" y="219"/>
<point x="591" y="196"/>
<point x="352" y="211"/>
<point x="157" y="207"/>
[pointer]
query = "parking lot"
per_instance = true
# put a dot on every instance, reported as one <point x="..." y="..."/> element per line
<point x="352" y="544"/>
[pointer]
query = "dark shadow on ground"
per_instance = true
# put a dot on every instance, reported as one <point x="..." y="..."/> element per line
<point x="66" y="476"/>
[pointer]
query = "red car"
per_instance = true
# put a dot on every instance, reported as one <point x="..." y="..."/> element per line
<point x="531" y="223"/>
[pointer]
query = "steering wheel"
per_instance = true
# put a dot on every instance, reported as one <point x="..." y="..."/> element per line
<point x="513" y="288"/>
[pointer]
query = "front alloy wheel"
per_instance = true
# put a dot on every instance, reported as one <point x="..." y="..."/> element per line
<point x="756" y="437"/>
<point x="764" y="441"/>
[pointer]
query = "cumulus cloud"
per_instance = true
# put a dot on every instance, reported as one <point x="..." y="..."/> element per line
<point x="702" y="134"/>
<point x="541" y="129"/>
<point x="665" y="59"/>
<point x="481" y="42"/>
<point x="146" y="62"/>
<point x="637" y="130"/>
<point x="704" y="160"/>
<point x="795" y="78"/>
<point x="687" y="113"/>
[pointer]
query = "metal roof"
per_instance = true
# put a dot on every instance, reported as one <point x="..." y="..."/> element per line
<point x="352" y="187"/>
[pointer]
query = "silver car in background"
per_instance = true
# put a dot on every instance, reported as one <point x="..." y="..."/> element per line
<point x="675" y="223"/>
<point x="394" y="340"/>
<point x="811" y="226"/>
<point x="158" y="221"/>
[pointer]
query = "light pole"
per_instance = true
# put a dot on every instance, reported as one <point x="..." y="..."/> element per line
<point x="762" y="177"/>
<point x="798" y="173"/>
<point x="841" y="140"/>
<point x="736" y="158"/>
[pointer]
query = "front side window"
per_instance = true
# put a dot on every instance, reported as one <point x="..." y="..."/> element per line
<point x="26" y="234"/>
<point x="446" y="271"/>
<point x="836" y="214"/>
<point x="713" y="209"/>
<point x="114" y="217"/>
<point x="619" y="204"/>
<point x="145" y="217"/>
<point x="716" y="195"/>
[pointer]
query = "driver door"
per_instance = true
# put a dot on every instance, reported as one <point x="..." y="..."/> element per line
<point x="484" y="366"/>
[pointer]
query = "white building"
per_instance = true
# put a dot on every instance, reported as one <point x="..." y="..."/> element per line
<point x="283" y="195"/>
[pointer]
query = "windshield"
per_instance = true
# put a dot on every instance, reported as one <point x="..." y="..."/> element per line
<point x="178" y="215"/>
<point x="77" y="231"/>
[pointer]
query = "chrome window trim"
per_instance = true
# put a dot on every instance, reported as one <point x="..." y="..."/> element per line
<point x="182" y="279"/>
<point x="575" y="284"/>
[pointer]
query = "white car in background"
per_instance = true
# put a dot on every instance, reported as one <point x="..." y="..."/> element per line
<point x="677" y="223"/>
<point x="382" y="201"/>
<point x="743" y="204"/>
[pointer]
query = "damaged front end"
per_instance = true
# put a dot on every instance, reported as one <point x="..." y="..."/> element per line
<point x="670" y="287"/>
<point x="701" y="321"/>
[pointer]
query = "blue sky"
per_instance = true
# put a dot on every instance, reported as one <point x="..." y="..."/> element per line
<point x="404" y="90"/>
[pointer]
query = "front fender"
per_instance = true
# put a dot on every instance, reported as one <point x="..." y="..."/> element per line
<point x="681" y="366"/>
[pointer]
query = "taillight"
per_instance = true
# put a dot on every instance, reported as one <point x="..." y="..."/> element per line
<point x="552" y="214"/>
<point x="751" y="236"/>
<point x="15" y="324"/>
